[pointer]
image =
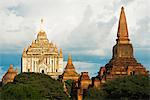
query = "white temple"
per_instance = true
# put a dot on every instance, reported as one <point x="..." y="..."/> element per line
<point x="42" y="56"/>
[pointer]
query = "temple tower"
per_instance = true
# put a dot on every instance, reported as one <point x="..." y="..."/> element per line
<point x="123" y="47"/>
<point x="123" y="61"/>
<point x="42" y="56"/>
<point x="9" y="75"/>
<point x="69" y="71"/>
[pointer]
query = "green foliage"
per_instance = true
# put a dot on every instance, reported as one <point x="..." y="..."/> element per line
<point x="132" y="87"/>
<point x="94" y="94"/>
<point x="124" y="88"/>
<point x="33" y="86"/>
<point x="0" y="91"/>
<point x="69" y="86"/>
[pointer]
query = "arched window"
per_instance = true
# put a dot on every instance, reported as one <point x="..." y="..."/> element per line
<point x="133" y="73"/>
<point x="130" y="73"/>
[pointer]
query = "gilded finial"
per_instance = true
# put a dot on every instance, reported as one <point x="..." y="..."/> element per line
<point x="69" y="59"/>
<point x="60" y="53"/>
<point x="41" y="21"/>
<point x="41" y="26"/>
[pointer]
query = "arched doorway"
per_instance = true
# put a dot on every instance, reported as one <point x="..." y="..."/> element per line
<point x="43" y="68"/>
<point x="42" y="71"/>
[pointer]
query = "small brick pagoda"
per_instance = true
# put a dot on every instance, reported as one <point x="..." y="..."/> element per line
<point x="9" y="75"/>
<point x="70" y="72"/>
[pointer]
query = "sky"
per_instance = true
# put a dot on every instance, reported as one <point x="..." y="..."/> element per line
<point x="79" y="27"/>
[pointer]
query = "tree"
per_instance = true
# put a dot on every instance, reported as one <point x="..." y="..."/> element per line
<point x="128" y="87"/>
<point x="94" y="94"/>
<point x="69" y="86"/>
<point x="33" y="86"/>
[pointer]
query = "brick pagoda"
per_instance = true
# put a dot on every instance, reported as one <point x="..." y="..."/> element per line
<point x="123" y="61"/>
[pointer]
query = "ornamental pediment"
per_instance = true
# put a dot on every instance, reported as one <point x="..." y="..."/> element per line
<point x="31" y="50"/>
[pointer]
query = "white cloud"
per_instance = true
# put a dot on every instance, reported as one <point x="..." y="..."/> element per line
<point x="78" y="26"/>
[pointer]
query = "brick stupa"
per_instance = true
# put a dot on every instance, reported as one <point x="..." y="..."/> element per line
<point x="123" y="61"/>
<point x="70" y="72"/>
<point x="9" y="75"/>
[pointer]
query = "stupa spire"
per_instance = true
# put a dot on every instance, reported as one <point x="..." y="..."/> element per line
<point x="122" y="33"/>
<point x="42" y="34"/>
<point x="70" y="72"/>
<point x="41" y="25"/>
<point x="69" y="59"/>
<point x="11" y="68"/>
<point x="60" y="53"/>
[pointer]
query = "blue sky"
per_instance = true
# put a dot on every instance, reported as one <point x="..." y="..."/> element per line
<point x="84" y="28"/>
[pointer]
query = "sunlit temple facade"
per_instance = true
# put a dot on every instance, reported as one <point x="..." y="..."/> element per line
<point x="42" y="56"/>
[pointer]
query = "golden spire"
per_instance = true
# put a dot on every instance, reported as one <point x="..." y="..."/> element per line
<point x="55" y="48"/>
<point x="122" y="28"/>
<point x="24" y="52"/>
<point x="69" y="59"/>
<point x="11" y="68"/>
<point x="41" y="25"/>
<point x="42" y="34"/>
<point x="69" y="63"/>
<point x="60" y="53"/>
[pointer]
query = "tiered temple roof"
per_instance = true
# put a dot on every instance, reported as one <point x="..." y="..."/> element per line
<point x="41" y="45"/>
